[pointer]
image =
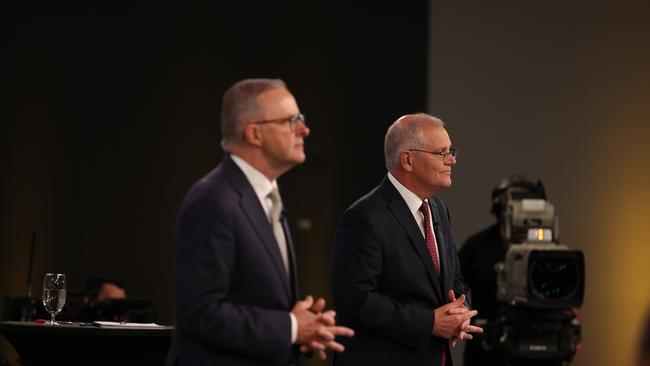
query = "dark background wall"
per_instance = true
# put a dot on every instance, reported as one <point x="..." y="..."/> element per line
<point x="113" y="117"/>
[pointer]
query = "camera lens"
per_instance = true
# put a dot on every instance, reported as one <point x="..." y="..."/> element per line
<point x="554" y="278"/>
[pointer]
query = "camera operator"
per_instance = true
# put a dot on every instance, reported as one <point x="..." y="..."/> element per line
<point x="479" y="257"/>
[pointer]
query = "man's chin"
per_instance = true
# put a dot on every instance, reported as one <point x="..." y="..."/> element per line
<point x="445" y="183"/>
<point x="300" y="158"/>
<point x="293" y="161"/>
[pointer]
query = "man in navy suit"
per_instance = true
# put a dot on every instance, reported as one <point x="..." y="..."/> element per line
<point x="395" y="273"/>
<point x="235" y="274"/>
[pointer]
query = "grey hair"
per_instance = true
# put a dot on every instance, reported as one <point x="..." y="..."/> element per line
<point x="405" y="133"/>
<point x="240" y="103"/>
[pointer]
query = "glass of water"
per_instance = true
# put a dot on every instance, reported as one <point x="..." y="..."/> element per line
<point x="54" y="294"/>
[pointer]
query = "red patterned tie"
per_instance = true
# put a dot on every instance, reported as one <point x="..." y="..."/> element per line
<point x="433" y="250"/>
<point x="428" y="235"/>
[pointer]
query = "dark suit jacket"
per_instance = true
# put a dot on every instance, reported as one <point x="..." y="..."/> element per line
<point x="384" y="283"/>
<point x="232" y="293"/>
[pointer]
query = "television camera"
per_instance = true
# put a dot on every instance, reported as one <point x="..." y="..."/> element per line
<point x="540" y="283"/>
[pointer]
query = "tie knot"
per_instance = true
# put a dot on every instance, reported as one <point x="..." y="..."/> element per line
<point x="274" y="195"/>
<point x="276" y="204"/>
<point x="423" y="208"/>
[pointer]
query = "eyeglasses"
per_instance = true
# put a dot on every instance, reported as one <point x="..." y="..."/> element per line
<point x="292" y="120"/>
<point x="445" y="155"/>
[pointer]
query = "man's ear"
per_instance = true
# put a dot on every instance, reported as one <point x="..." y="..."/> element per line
<point x="406" y="160"/>
<point x="253" y="135"/>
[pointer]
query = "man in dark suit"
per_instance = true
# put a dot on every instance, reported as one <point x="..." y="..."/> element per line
<point x="235" y="274"/>
<point x="395" y="272"/>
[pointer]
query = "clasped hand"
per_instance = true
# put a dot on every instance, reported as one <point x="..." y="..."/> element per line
<point x="452" y="320"/>
<point x="317" y="330"/>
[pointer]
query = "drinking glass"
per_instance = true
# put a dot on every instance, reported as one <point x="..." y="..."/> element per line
<point x="54" y="294"/>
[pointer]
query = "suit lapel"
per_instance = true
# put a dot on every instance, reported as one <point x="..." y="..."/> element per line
<point x="401" y="212"/>
<point x="253" y="210"/>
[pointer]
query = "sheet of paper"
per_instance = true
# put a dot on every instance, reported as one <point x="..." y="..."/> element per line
<point x="126" y="325"/>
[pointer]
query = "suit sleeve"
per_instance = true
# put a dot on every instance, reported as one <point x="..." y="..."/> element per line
<point x="357" y="259"/>
<point x="204" y="264"/>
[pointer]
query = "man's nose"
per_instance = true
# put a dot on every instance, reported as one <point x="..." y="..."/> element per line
<point x="302" y="130"/>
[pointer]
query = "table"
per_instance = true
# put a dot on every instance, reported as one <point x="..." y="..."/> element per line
<point x="78" y="344"/>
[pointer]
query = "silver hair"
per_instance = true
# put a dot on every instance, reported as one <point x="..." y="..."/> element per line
<point x="240" y="103"/>
<point x="405" y="133"/>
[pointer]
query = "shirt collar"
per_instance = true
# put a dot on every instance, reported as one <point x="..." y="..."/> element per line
<point x="261" y="184"/>
<point x="412" y="200"/>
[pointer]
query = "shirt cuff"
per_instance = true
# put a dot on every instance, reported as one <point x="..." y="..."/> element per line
<point x="294" y="328"/>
